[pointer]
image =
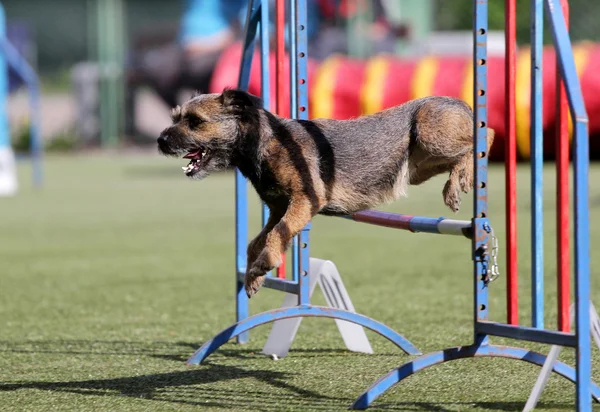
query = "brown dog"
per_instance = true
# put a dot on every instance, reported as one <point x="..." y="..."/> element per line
<point x="301" y="168"/>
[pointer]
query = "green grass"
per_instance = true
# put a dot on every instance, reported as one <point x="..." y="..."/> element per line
<point x="119" y="268"/>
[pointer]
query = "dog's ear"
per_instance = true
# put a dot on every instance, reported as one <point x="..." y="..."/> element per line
<point x="239" y="99"/>
<point x="176" y="114"/>
<point x="196" y="93"/>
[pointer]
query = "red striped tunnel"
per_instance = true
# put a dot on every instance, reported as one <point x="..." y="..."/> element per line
<point x="343" y="87"/>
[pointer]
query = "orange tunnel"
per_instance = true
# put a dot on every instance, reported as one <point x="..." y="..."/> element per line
<point x="343" y="87"/>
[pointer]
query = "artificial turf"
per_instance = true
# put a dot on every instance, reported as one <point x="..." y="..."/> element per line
<point x="119" y="268"/>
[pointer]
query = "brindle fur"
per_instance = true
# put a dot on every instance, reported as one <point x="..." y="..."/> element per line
<point x="301" y="168"/>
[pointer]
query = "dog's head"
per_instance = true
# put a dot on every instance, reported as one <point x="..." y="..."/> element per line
<point x="207" y="128"/>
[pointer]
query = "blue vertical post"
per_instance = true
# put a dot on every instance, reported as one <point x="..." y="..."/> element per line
<point x="294" y="107"/>
<point x="304" y="265"/>
<point x="10" y="56"/>
<point x="264" y="73"/>
<point x="480" y="209"/>
<point x="241" y="239"/>
<point x="4" y="128"/>
<point x="582" y="265"/>
<point x="241" y="186"/>
<point x="582" y="219"/>
<point x="300" y="57"/>
<point x="537" y="163"/>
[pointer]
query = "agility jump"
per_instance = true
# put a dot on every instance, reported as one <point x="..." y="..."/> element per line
<point x="479" y="230"/>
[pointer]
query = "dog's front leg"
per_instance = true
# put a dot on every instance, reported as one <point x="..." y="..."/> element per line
<point x="295" y="218"/>
<point x="257" y="244"/>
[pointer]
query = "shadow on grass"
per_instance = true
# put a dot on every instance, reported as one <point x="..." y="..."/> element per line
<point x="183" y="387"/>
<point x="174" y="351"/>
<point x="193" y="387"/>
<point x="180" y="387"/>
<point x="95" y="347"/>
<point x="461" y="406"/>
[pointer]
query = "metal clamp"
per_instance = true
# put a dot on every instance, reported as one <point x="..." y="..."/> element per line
<point x="495" y="271"/>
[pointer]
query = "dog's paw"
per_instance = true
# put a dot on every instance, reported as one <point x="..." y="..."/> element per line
<point x="255" y="276"/>
<point x="265" y="262"/>
<point x="252" y="284"/>
<point x="451" y="197"/>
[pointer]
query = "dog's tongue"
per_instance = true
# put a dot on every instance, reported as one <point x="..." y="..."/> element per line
<point x="193" y="155"/>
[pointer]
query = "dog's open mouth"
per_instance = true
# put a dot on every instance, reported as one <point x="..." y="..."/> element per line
<point x="197" y="159"/>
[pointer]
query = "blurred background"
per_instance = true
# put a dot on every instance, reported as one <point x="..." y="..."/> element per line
<point x="116" y="267"/>
<point x="111" y="69"/>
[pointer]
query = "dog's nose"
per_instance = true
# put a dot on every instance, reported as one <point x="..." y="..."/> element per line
<point x="162" y="139"/>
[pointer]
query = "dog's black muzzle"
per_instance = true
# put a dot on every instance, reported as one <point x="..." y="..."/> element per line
<point x="164" y="145"/>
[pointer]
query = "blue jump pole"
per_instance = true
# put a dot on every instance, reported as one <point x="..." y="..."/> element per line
<point x="299" y="59"/>
<point x="560" y="36"/>
<point x="478" y="230"/>
<point x="265" y="83"/>
<point x="415" y="224"/>
<point x="481" y="224"/>
<point x="8" y="173"/>
<point x="299" y="285"/>
<point x="294" y="94"/>
<point x="4" y="128"/>
<point x="483" y="328"/>
<point x="537" y="163"/>
<point x="241" y="186"/>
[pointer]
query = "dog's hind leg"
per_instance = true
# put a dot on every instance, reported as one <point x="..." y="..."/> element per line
<point x="298" y="214"/>
<point x="465" y="165"/>
<point x="461" y="178"/>
<point x="465" y="172"/>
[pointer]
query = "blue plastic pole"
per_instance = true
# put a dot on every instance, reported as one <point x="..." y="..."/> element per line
<point x="294" y="109"/>
<point x="264" y="73"/>
<point x="241" y="186"/>
<point x="568" y="72"/>
<point x="9" y="56"/>
<point x="304" y="254"/>
<point x="4" y="128"/>
<point x="299" y="58"/>
<point x="480" y="221"/>
<point x="537" y="162"/>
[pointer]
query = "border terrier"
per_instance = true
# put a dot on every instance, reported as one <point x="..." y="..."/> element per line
<point x="301" y="168"/>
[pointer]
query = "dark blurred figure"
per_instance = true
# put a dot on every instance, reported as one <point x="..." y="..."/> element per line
<point x="210" y="26"/>
<point x="206" y="28"/>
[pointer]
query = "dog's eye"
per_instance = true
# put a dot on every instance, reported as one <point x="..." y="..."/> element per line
<point x="193" y="121"/>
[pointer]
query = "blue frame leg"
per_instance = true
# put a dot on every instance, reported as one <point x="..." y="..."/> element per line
<point x="241" y="186"/>
<point x="293" y="312"/>
<point x="461" y="352"/>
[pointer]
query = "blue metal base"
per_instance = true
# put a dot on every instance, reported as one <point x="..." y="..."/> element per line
<point x="297" y="311"/>
<point x="460" y="352"/>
